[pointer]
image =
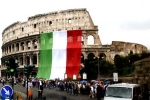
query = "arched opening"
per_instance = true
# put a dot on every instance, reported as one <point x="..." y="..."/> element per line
<point x="17" y="47"/>
<point x="28" y="60"/>
<point x="90" y="40"/>
<point x="22" y="45"/>
<point x="9" y="48"/>
<point x="82" y="40"/>
<point x="13" y="48"/>
<point x="35" y="44"/>
<point x="28" y="44"/>
<point x="90" y="56"/>
<point x="34" y="59"/>
<point x="102" y="56"/>
<point x="50" y="23"/>
<point x="21" y="61"/>
<point x="69" y="20"/>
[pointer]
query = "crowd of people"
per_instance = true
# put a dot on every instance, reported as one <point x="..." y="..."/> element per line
<point x="93" y="89"/>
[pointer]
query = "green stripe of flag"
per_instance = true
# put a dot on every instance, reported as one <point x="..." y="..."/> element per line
<point x="46" y="44"/>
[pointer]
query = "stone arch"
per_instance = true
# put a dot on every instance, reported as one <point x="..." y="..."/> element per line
<point x="10" y="49"/>
<point x="28" y="43"/>
<point x="28" y="60"/>
<point x="13" y="48"/>
<point x="102" y="56"/>
<point x="34" y="59"/>
<point x="17" y="46"/>
<point x="91" y="56"/>
<point x="82" y="39"/>
<point x="22" y="45"/>
<point x="117" y="55"/>
<point x="21" y="60"/>
<point x="35" y="42"/>
<point x="90" y="40"/>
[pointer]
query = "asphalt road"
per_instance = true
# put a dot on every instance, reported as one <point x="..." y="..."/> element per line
<point x="50" y="94"/>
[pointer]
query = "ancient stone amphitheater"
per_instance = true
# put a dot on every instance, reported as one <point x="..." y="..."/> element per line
<point x="21" y="39"/>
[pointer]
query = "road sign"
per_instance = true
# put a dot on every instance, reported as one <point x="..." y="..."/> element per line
<point x="115" y="76"/>
<point x="6" y="91"/>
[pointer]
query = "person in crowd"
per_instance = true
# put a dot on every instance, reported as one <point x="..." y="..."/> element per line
<point x="71" y="88"/>
<point x="3" y="82"/>
<point x="30" y="97"/>
<point x="75" y="88"/>
<point x="100" y="91"/>
<point x="40" y="85"/>
<point x="146" y="94"/>
<point x="91" y="91"/>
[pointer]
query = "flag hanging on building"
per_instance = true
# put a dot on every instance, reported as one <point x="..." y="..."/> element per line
<point x="60" y="54"/>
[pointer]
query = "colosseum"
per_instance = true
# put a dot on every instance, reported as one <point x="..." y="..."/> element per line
<point x="21" y="39"/>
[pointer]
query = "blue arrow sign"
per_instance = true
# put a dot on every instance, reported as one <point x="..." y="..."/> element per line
<point x="6" y="91"/>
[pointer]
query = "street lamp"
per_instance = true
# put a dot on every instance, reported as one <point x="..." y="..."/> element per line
<point x="98" y="71"/>
<point x="98" y="76"/>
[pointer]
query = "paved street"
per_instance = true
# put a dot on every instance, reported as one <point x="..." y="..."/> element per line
<point x="55" y="95"/>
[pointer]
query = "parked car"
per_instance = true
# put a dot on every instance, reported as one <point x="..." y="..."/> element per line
<point x="123" y="91"/>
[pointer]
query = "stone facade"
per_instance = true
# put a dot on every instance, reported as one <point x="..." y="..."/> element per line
<point x="22" y="39"/>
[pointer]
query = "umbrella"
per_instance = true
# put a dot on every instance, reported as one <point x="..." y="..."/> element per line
<point x="83" y="81"/>
<point x="107" y="79"/>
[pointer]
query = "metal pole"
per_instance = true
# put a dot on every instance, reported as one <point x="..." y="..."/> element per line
<point x="12" y="86"/>
<point x="98" y="69"/>
<point x="27" y="87"/>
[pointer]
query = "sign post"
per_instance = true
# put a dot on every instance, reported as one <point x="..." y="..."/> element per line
<point x="6" y="92"/>
<point x="84" y="75"/>
<point x="115" y="77"/>
<point x="74" y="77"/>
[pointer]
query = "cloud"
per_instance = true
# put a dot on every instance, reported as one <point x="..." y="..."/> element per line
<point x="135" y="25"/>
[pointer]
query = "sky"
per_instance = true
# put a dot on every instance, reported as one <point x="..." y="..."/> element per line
<point x="117" y="20"/>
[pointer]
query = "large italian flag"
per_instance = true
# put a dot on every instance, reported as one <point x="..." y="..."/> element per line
<point x="60" y="54"/>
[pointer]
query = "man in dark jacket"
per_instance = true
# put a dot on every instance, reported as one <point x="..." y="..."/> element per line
<point x="40" y="85"/>
<point x="100" y="92"/>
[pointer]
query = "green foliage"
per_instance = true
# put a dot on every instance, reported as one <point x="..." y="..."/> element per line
<point x="123" y="65"/>
<point x="145" y="55"/>
<point x="69" y="79"/>
<point x="106" y="68"/>
<point x="91" y="68"/>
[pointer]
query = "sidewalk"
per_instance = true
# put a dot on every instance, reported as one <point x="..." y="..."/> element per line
<point x="53" y="94"/>
<point x="50" y="94"/>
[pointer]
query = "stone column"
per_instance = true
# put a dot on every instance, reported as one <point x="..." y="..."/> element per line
<point x="25" y="46"/>
<point x="38" y="44"/>
<point x="32" y="45"/>
<point x="15" y="47"/>
<point x="24" y="59"/>
<point x="85" y="40"/>
<point x="31" y="59"/>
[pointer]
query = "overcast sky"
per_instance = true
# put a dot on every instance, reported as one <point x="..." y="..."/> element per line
<point x="118" y="20"/>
